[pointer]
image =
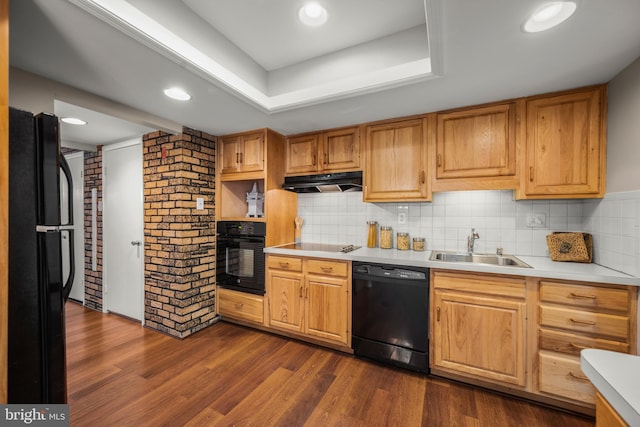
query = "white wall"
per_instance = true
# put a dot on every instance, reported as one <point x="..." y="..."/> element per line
<point x="623" y="130"/>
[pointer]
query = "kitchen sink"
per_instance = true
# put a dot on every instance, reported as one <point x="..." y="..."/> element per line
<point x="490" y="259"/>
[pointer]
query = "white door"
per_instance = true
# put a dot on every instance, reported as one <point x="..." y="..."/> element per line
<point x="123" y="237"/>
<point x="76" y="164"/>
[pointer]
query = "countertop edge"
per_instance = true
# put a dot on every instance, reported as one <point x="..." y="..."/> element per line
<point x="603" y="367"/>
<point x="542" y="267"/>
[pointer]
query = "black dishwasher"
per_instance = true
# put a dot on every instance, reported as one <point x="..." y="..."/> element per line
<point x="391" y="314"/>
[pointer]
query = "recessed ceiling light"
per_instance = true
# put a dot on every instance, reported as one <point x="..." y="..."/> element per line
<point x="549" y="15"/>
<point x="73" y="121"/>
<point x="177" y="93"/>
<point x="313" y="14"/>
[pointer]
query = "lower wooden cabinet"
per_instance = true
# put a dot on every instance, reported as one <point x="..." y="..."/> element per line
<point x="606" y="416"/>
<point x="575" y="316"/>
<point x="478" y="327"/>
<point x="240" y="305"/>
<point x="310" y="297"/>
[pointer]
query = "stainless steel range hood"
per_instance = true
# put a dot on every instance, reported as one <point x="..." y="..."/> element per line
<point x="325" y="183"/>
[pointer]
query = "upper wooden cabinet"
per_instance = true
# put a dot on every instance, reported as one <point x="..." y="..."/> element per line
<point x="565" y="145"/>
<point x="396" y="162"/>
<point x="335" y="150"/>
<point x="476" y="148"/>
<point x="242" y="152"/>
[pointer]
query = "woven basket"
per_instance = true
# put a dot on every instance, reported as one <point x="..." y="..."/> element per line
<point x="573" y="247"/>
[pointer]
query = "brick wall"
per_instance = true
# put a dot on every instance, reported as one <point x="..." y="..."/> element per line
<point x="179" y="240"/>
<point x="92" y="279"/>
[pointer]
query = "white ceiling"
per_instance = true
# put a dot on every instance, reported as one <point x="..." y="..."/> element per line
<point x="476" y="48"/>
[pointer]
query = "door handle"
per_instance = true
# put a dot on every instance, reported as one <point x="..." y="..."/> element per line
<point x="136" y="243"/>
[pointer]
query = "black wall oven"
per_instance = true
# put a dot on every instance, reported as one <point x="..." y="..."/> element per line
<point x="240" y="256"/>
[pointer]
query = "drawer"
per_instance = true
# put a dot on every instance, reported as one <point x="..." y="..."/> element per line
<point x="601" y="324"/>
<point x="596" y="297"/>
<point x="560" y="375"/>
<point x="284" y="263"/>
<point x="568" y="343"/>
<point x="327" y="267"/>
<point x="240" y="305"/>
<point x="501" y="286"/>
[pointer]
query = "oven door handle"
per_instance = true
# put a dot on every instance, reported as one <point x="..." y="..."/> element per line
<point x="250" y="239"/>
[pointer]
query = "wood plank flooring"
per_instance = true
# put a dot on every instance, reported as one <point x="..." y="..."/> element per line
<point x="121" y="374"/>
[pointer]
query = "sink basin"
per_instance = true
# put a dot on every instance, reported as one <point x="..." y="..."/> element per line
<point x="490" y="259"/>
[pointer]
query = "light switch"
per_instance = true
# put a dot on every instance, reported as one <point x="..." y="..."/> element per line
<point x="200" y="203"/>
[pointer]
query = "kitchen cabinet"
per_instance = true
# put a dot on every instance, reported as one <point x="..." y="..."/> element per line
<point x="396" y="159"/>
<point x="477" y="147"/>
<point x="574" y="316"/>
<point x="565" y="145"/>
<point x="336" y="150"/>
<point x="240" y="305"/>
<point x="255" y="157"/>
<point x="606" y="416"/>
<point x="478" y="327"/>
<point x="242" y="152"/>
<point x="310" y="297"/>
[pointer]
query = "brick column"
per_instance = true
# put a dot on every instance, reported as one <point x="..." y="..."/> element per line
<point x="179" y="240"/>
<point x="92" y="279"/>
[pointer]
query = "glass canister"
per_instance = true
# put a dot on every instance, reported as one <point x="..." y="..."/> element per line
<point x="418" y="244"/>
<point x="402" y="241"/>
<point x="372" y="234"/>
<point x="386" y="237"/>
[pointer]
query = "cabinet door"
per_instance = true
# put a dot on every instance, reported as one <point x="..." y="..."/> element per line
<point x="327" y="308"/>
<point x="252" y="156"/>
<point x="230" y="154"/>
<point x="302" y="154"/>
<point x="340" y="150"/>
<point x="285" y="291"/>
<point x="478" y="142"/>
<point x="566" y="145"/>
<point x="395" y="162"/>
<point x="480" y="336"/>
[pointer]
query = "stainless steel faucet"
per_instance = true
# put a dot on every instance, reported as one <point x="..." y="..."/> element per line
<point x="471" y="240"/>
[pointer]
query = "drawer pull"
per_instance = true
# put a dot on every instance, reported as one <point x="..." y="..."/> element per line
<point x="578" y="346"/>
<point x="239" y="305"/>
<point x="574" y="295"/>
<point x="583" y="322"/>
<point x="327" y="269"/>
<point x="284" y="265"/>
<point x="578" y="377"/>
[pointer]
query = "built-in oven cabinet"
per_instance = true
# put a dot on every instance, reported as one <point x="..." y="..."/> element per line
<point x="310" y="297"/>
<point x="255" y="158"/>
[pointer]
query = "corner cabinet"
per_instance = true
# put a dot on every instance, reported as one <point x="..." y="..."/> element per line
<point x="396" y="159"/>
<point x="478" y="327"/>
<point x="336" y="150"/>
<point x="310" y="297"/>
<point x="565" y="145"/>
<point x="477" y="148"/>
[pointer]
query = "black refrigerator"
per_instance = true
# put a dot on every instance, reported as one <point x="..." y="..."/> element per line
<point x="37" y="291"/>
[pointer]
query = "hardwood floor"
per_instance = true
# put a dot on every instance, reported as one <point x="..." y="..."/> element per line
<point x="121" y="374"/>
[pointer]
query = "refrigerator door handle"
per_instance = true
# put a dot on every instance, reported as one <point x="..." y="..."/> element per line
<point x="66" y="288"/>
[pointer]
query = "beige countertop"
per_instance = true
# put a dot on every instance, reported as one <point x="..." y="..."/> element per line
<point x="540" y="266"/>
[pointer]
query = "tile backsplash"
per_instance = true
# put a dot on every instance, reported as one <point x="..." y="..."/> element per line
<point x="497" y="217"/>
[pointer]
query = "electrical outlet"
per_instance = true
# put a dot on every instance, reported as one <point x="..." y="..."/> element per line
<point x="403" y="214"/>
<point x="536" y="220"/>
<point x="200" y="203"/>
